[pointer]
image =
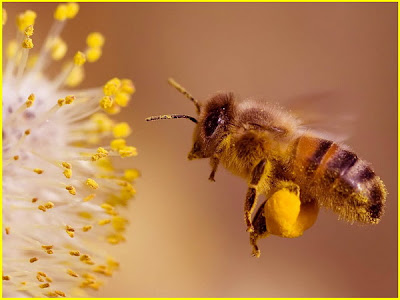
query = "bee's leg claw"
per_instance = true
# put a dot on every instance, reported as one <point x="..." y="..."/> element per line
<point x="260" y="230"/>
<point x="253" y="242"/>
<point x="211" y="178"/>
<point x="214" y="161"/>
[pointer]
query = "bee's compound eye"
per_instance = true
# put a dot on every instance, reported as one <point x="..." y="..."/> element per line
<point x="211" y="123"/>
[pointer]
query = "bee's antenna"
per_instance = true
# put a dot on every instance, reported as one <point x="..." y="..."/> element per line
<point x="167" y="117"/>
<point x="184" y="92"/>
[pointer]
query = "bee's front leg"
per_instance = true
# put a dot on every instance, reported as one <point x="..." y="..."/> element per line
<point x="214" y="162"/>
<point x="252" y="193"/>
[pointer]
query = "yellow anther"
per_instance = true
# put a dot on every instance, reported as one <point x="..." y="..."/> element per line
<point x="86" y="228"/>
<point x="7" y="230"/>
<point x="128" y="151"/>
<point x="111" y="87"/>
<point x="101" y="153"/>
<point x="12" y="49"/>
<point x="33" y="259"/>
<point x="114" y="239"/>
<point x="72" y="10"/>
<point x="39" y="278"/>
<point x="6" y="277"/>
<point x="92" y="184"/>
<point x="114" y="109"/>
<point x="27" y="43"/>
<point x="61" y="12"/>
<point x="32" y="59"/>
<point x="66" y="165"/>
<point x="86" y="259"/>
<point x="71" y="234"/>
<point x="48" y="279"/>
<point x="47" y="247"/>
<point x="71" y="189"/>
<point x="103" y="122"/>
<point x="38" y="171"/>
<point x="93" y="54"/>
<point x="42" y="274"/>
<point x="74" y="253"/>
<point x="4" y="16"/>
<point x="30" y="100"/>
<point x="29" y="31"/>
<point x="34" y="200"/>
<point x="27" y="132"/>
<point x="121" y="130"/>
<point x="25" y="19"/>
<point x="61" y="102"/>
<point x="49" y="205"/>
<point x="104" y="222"/>
<point x="79" y="58"/>
<point x="117" y="144"/>
<point x="42" y="208"/>
<point x="72" y="273"/>
<point x="44" y="285"/>
<point x="106" y="102"/>
<point x="90" y="197"/>
<point x="131" y="174"/>
<point x="67" y="173"/>
<point x="112" y="264"/>
<point x="127" y="86"/>
<point x="101" y="150"/>
<point x="16" y="157"/>
<point x="102" y="270"/>
<point x="69" y="99"/>
<point x="49" y="251"/>
<point x="58" y="49"/>
<point x="75" y="77"/>
<point x="85" y="215"/>
<point x="95" y="39"/>
<point x="59" y="293"/>
<point x="107" y="206"/>
<point x="122" y="99"/>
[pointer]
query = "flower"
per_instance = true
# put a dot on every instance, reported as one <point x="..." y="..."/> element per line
<point x="61" y="194"/>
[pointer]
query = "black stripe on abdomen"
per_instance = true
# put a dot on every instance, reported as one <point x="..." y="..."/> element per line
<point x="316" y="158"/>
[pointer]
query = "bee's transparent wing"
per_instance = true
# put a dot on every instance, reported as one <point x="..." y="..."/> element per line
<point x="330" y="114"/>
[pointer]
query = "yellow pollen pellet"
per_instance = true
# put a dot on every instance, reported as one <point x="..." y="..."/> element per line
<point x="16" y="157"/>
<point x="104" y="222"/>
<point x="106" y="102"/>
<point x="92" y="184"/>
<point x="27" y="132"/>
<point x="44" y="285"/>
<point x="86" y="228"/>
<point x="38" y="171"/>
<point x="72" y="10"/>
<point x="121" y="130"/>
<point x="29" y="31"/>
<point x="34" y="200"/>
<point x="61" y="102"/>
<point x="90" y="197"/>
<point x="67" y="173"/>
<point x="93" y="54"/>
<point x="71" y="189"/>
<point x="60" y="293"/>
<point x="72" y="273"/>
<point x="25" y="19"/>
<point x="95" y="39"/>
<point x="111" y="87"/>
<point x="47" y="247"/>
<point x="4" y="16"/>
<point x="79" y="58"/>
<point x="69" y="99"/>
<point x="75" y="253"/>
<point x="6" y="277"/>
<point x="60" y="13"/>
<point x="33" y="259"/>
<point x="7" y="230"/>
<point x="117" y="144"/>
<point x="42" y="208"/>
<point x="27" y="43"/>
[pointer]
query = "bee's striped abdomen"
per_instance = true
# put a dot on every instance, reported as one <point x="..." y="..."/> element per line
<point x="338" y="179"/>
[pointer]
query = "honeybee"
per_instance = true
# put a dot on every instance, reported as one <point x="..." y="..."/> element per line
<point x="273" y="152"/>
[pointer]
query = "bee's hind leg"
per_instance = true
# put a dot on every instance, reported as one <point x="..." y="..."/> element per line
<point x="260" y="230"/>
<point x="252" y="193"/>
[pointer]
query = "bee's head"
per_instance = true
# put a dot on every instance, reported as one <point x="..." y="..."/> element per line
<point x="215" y="118"/>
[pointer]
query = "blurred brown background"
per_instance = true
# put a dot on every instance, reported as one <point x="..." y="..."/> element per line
<point x="187" y="236"/>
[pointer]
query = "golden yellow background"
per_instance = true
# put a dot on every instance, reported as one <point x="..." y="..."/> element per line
<point x="187" y="235"/>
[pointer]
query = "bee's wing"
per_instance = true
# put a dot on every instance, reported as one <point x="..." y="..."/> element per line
<point x="330" y="114"/>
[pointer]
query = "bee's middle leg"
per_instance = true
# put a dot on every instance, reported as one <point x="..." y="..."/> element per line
<point x="252" y="193"/>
